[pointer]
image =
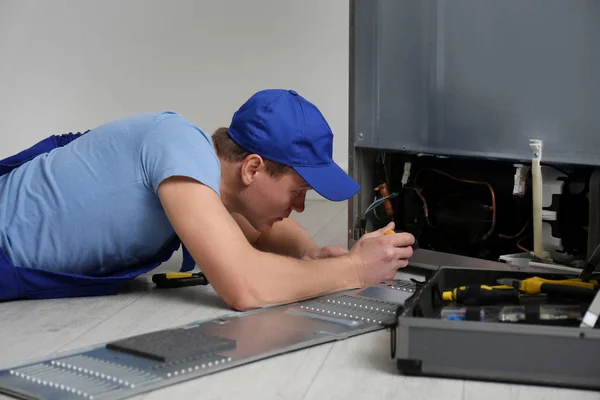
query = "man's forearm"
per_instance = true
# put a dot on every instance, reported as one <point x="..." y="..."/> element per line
<point x="286" y="237"/>
<point x="242" y="275"/>
<point x="272" y="279"/>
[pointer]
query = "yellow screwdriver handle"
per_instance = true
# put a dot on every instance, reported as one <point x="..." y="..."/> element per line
<point x="177" y="275"/>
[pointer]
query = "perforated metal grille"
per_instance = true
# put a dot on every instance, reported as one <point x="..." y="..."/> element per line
<point x="354" y="307"/>
<point x="404" y="286"/>
<point x="74" y="381"/>
<point x="188" y="366"/>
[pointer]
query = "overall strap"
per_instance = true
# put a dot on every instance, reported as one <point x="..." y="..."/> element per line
<point x="188" y="263"/>
<point x="43" y="146"/>
<point x="18" y="282"/>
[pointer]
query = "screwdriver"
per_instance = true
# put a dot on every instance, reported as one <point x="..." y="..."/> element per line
<point x="179" y="279"/>
<point x="482" y="294"/>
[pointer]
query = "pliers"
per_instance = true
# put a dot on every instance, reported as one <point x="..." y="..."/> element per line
<point x="581" y="287"/>
<point x="574" y="287"/>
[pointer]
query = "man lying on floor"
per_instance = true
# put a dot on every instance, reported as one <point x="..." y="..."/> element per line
<point x="81" y="213"/>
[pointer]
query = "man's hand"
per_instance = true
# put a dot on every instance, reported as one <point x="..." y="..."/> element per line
<point x="377" y="256"/>
<point x="324" y="252"/>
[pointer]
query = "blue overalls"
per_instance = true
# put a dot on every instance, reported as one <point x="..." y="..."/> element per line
<point x="30" y="283"/>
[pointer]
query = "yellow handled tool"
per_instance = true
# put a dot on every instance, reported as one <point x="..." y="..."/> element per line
<point x="482" y="294"/>
<point x="179" y="279"/>
<point x="534" y="285"/>
<point x="176" y="275"/>
<point x="574" y="288"/>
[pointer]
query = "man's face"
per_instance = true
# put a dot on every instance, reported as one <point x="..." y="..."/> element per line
<point x="268" y="200"/>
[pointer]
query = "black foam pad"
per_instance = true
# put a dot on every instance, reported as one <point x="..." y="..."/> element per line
<point x="173" y="344"/>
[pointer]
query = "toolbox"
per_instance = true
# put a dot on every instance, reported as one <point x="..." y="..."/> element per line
<point x="502" y="341"/>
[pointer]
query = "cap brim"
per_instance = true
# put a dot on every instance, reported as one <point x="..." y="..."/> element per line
<point x="329" y="181"/>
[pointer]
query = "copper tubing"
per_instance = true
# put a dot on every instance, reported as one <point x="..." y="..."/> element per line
<point x="383" y="189"/>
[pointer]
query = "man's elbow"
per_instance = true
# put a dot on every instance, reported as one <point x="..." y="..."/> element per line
<point x="242" y="301"/>
<point x="241" y="305"/>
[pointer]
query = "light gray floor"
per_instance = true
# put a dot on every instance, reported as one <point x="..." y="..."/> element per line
<point x="358" y="367"/>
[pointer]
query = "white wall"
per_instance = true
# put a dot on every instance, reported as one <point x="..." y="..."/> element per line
<point x="71" y="65"/>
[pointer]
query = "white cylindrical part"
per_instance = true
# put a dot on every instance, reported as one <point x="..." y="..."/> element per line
<point x="536" y="184"/>
<point x="536" y="187"/>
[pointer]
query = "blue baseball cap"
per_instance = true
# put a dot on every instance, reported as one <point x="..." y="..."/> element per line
<point x="282" y="126"/>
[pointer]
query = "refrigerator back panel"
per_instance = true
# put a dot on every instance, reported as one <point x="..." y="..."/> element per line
<point x="478" y="78"/>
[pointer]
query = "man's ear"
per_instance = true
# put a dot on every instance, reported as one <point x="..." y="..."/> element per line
<point x="250" y="167"/>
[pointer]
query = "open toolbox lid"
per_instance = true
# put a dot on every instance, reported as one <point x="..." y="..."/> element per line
<point x="591" y="316"/>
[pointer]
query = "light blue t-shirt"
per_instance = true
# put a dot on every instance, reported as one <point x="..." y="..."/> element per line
<point x="91" y="207"/>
